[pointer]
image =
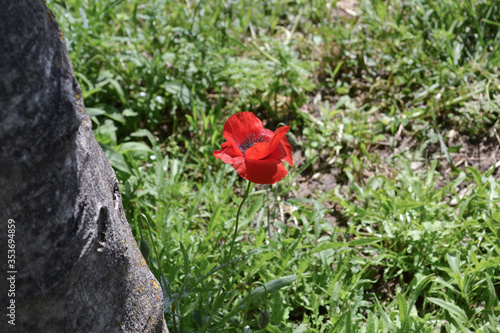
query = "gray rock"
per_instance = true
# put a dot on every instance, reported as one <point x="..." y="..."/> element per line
<point x="77" y="266"/>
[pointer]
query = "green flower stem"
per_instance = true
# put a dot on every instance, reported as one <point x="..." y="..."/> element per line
<point x="245" y="196"/>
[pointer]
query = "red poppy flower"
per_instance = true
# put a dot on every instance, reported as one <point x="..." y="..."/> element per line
<point x="254" y="152"/>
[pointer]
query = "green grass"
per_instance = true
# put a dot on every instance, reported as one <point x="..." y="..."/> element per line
<point x="390" y="220"/>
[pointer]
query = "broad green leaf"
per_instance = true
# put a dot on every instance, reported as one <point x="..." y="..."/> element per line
<point x="328" y="246"/>
<point x="271" y="286"/>
<point x="451" y="308"/>
<point x="365" y="241"/>
<point x="92" y="112"/>
<point x="272" y="329"/>
<point x="138" y="149"/>
<point x="116" y="159"/>
<point x="403" y="309"/>
<point x="387" y="321"/>
<point x="408" y="204"/>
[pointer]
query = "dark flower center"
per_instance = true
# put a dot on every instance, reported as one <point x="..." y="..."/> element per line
<point x="251" y="140"/>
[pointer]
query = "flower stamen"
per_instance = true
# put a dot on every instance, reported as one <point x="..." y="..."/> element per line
<point x="251" y="140"/>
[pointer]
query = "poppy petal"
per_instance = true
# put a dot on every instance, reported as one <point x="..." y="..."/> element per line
<point x="288" y="150"/>
<point x="268" y="134"/>
<point x="262" y="150"/>
<point x="240" y="125"/>
<point x="284" y="145"/>
<point x="231" y="140"/>
<point x="240" y="167"/>
<point x="228" y="154"/>
<point x="268" y="171"/>
<point x="277" y="154"/>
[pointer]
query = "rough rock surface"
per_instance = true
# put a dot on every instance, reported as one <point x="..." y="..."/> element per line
<point x="77" y="266"/>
